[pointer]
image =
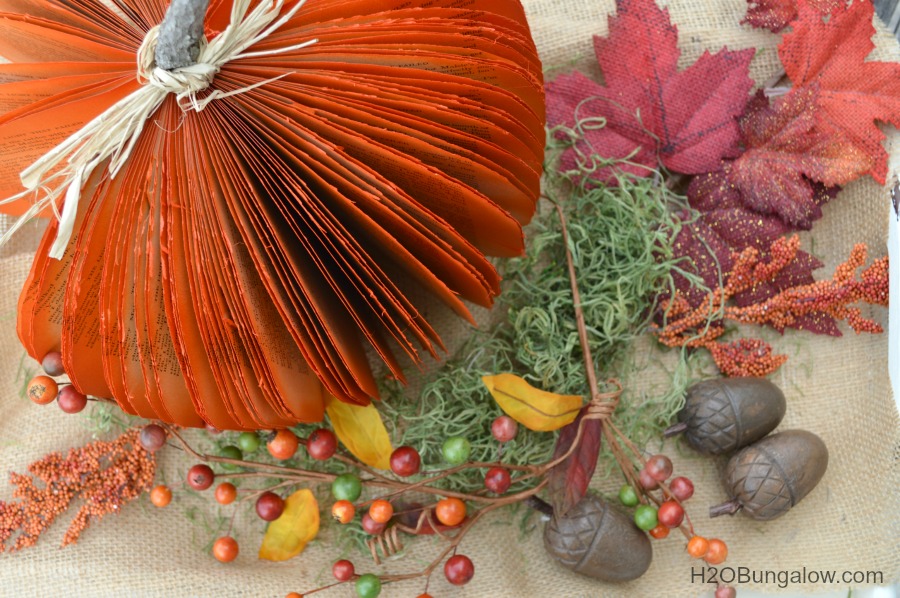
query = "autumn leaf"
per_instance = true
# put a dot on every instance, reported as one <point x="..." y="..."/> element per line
<point x="568" y="481"/>
<point x="287" y="536"/>
<point x="726" y="227"/>
<point x="853" y="93"/>
<point x="775" y="15"/>
<point x="535" y="409"/>
<point x="647" y="110"/>
<point x="786" y="152"/>
<point x="362" y="431"/>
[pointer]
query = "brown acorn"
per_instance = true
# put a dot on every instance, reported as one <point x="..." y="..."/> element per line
<point x="766" y="479"/>
<point x="597" y="540"/>
<point x="723" y="415"/>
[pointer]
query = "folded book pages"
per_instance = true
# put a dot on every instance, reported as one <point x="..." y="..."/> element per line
<point x="240" y="252"/>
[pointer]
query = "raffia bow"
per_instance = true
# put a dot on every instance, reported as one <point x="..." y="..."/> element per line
<point x="113" y="134"/>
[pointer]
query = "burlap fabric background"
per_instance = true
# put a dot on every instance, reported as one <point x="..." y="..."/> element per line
<point x="838" y="388"/>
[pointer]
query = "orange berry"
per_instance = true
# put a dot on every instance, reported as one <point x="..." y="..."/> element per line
<point x="283" y="445"/>
<point x="717" y="552"/>
<point x="343" y="511"/>
<point x="697" y="547"/>
<point x="294" y="595"/>
<point x="659" y="532"/>
<point x="161" y="496"/>
<point x="42" y="389"/>
<point x="225" y="493"/>
<point x="381" y="511"/>
<point x="225" y="549"/>
<point x="450" y="511"/>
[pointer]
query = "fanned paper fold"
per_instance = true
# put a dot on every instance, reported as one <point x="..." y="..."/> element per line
<point x="235" y="235"/>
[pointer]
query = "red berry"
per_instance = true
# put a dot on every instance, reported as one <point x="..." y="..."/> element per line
<point x="682" y="488"/>
<point x="405" y="461"/>
<point x="322" y="444"/>
<point x="370" y="526"/>
<point x="659" y="532"/>
<point x="225" y="549"/>
<point x="52" y="364"/>
<point x="670" y="514"/>
<point x="153" y="437"/>
<point x="70" y="400"/>
<point x="497" y="480"/>
<point x="659" y="467"/>
<point x="343" y="570"/>
<point x="725" y="592"/>
<point x="459" y="570"/>
<point x="200" y="477"/>
<point x="269" y="506"/>
<point x="647" y="481"/>
<point x="504" y="428"/>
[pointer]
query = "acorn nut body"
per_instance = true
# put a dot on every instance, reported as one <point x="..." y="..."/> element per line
<point x="768" y="478"/>
<point x="723" y="415"/>
<point x="598" y="540"/>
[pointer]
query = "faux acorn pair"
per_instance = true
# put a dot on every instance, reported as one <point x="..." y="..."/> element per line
<point x="770" y="474"/>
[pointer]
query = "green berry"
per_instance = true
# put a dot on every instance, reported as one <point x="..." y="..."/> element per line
<point x="645" y="517"/>
<point x="368" y="586"/>
<point x="248" y="442"/>
<point x="346" y="487"/>
<point x="230" y="452"/>
<point x="456" y="450"/>
<point x="627" y="495"/>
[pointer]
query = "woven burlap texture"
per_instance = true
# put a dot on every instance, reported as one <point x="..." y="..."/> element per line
<point x="837" y="388"/>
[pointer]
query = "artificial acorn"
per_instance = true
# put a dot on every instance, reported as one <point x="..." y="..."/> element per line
<point x="598" y="540"/>
<point x="723" y="415"/>
<point x="766" y="479"/>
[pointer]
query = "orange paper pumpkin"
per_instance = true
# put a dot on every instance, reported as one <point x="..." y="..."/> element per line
<point x="249" y="254"/>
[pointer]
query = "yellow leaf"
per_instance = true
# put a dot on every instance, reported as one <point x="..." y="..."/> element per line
<point x="288" y="535"/>
<point x="361" y="430"/>
<point x="535" y="409"/>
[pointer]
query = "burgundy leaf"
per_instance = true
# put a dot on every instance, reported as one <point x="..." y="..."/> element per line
<point x="726" y="227"/>
<point x="568" y="481"/>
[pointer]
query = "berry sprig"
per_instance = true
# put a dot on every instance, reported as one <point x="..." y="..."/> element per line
<point x="44" y="388"/>
<point x="384" y="516"/>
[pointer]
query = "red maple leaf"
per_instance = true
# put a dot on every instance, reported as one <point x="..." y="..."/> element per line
<point x="853" y="93"/>
<point x="785" y="151"/>
<point x="775" y="15"/>
<point x="647" y="110"/>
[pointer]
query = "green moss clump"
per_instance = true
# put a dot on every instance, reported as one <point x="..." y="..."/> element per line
<point x="621" y="241"/>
